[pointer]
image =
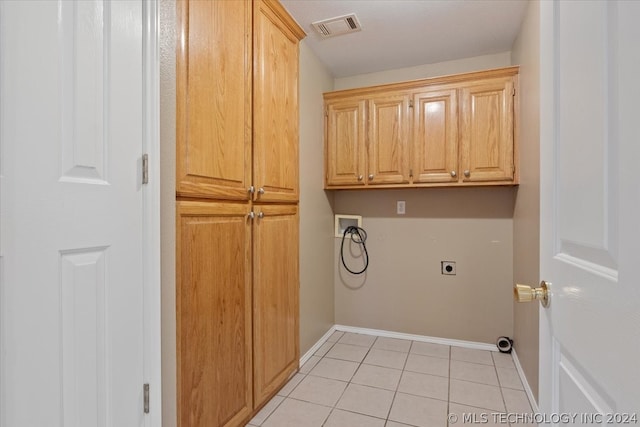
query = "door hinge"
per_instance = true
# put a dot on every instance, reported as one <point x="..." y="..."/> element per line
<point x="145" y="168"/>
<point x="411" y="104"/>
<point x="146" y="398"/>
<point x="513" y="93"/>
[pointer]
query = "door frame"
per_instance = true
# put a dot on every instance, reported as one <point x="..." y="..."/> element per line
<point x="547" y="130"/>
<point x="152" y="369"/>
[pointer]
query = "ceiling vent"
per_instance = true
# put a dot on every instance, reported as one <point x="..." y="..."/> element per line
<point x="337" y="26"/>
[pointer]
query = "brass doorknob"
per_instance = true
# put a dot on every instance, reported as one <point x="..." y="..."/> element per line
<point x="524" y="293"/>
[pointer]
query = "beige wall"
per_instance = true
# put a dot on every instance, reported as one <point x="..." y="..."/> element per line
<point x="403" y="290"/>
<point x="526" y="219"/>
<point x="316" y="215"/>
<point x="484" y="62"/>
<point x="167" y="207"/>
<point x="167" y="202"/>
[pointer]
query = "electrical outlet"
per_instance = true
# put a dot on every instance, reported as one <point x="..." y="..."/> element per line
<point x="400" y="206"/>
<point x="448" y="268"/>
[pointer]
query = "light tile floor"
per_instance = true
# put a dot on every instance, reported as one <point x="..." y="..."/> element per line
<point x="356" y="380"/>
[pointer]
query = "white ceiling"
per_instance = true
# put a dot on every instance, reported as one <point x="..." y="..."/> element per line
<point x="405" y="33"/>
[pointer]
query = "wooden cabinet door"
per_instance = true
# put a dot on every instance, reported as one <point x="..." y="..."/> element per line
<point x="486" y="131"/>
<point x="388" y="130"/>
<point x="213" y="99"/>
<point x="275" y="298"/>
<point x="275" y="104"/>
<point x="434" y="149"/>
<point x="213" y="302"/>
<point x="345" y="142"/>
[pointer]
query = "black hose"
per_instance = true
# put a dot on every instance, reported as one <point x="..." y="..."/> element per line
<point x="359" y="236"/>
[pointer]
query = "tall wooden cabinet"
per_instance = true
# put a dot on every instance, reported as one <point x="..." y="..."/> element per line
<point x="237" y="216"/>
<point x="455" y="130"/>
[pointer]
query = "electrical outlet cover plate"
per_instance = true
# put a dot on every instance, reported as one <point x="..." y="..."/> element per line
<point x="448" y="268"/>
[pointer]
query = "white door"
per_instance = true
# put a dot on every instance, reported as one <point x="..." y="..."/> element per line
<point x="71" y="264"/>
<point x="590" y="210"/>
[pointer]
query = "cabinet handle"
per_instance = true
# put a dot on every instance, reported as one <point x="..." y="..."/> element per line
<point x="251" y="189"/>
<point x="251" y="215"/>
<point x="370" y="176"/>
<point x="260" y="214"/>
<point x="260" y="190"/>
<point x="467" y="173"/>
<point x="453" y="174"/>
<point x="360" y="177"/>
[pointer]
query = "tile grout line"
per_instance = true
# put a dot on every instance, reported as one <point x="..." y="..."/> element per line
<point x="333" y="408"/>
<point x="504" y="402"/>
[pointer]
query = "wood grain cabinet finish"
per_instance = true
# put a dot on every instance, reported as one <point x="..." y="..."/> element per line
<point x="345" y="142"/>
<point x="237" y="276"/>
<point x="214" y="314"/>
<point x="275" y="104"/>
<point x="388" y="132"/>
<point x="457" y="130"/>
<point x="213" y="99"/>
<point x="434" y="146"/>
<point x="275" y="298"/>
<point x="486" y="131"/>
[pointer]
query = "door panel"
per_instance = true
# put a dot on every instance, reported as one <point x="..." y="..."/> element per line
<point x="213" y="128"/>
<point x="275" y="298"/>
<point x="345" y="139"/>
<point x="275" y="107"/>
<point x="388" y="133"/>
<point x="72" y="213"/>
<point x="589" y="339"/>
<point x="213" y="303"/>
<point x="486" y="131"/>
<point x="435" y="137"/>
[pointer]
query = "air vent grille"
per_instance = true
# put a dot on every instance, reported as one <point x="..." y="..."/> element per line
<point x="337" y="26"/>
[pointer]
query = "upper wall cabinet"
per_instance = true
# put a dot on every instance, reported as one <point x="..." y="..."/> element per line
<point x="237" y="101"/>
<point x="388" y="129"/>
<point x="448" y="131"/>
<point x="434" y="140"/>
<point x="345" y="143"/>
<point x="486" y="131"/>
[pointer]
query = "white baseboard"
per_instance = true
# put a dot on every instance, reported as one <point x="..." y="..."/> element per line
<point x="525" y="383"/>
<point x="316" y="346"/>
<point x="421" y="338"/>
<point x="390" y="334"/>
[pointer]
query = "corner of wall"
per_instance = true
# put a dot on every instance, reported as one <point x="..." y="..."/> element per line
<point x="526" y="224"/>
<point x="316" y="206"/>
<point x="167" y="207"/>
